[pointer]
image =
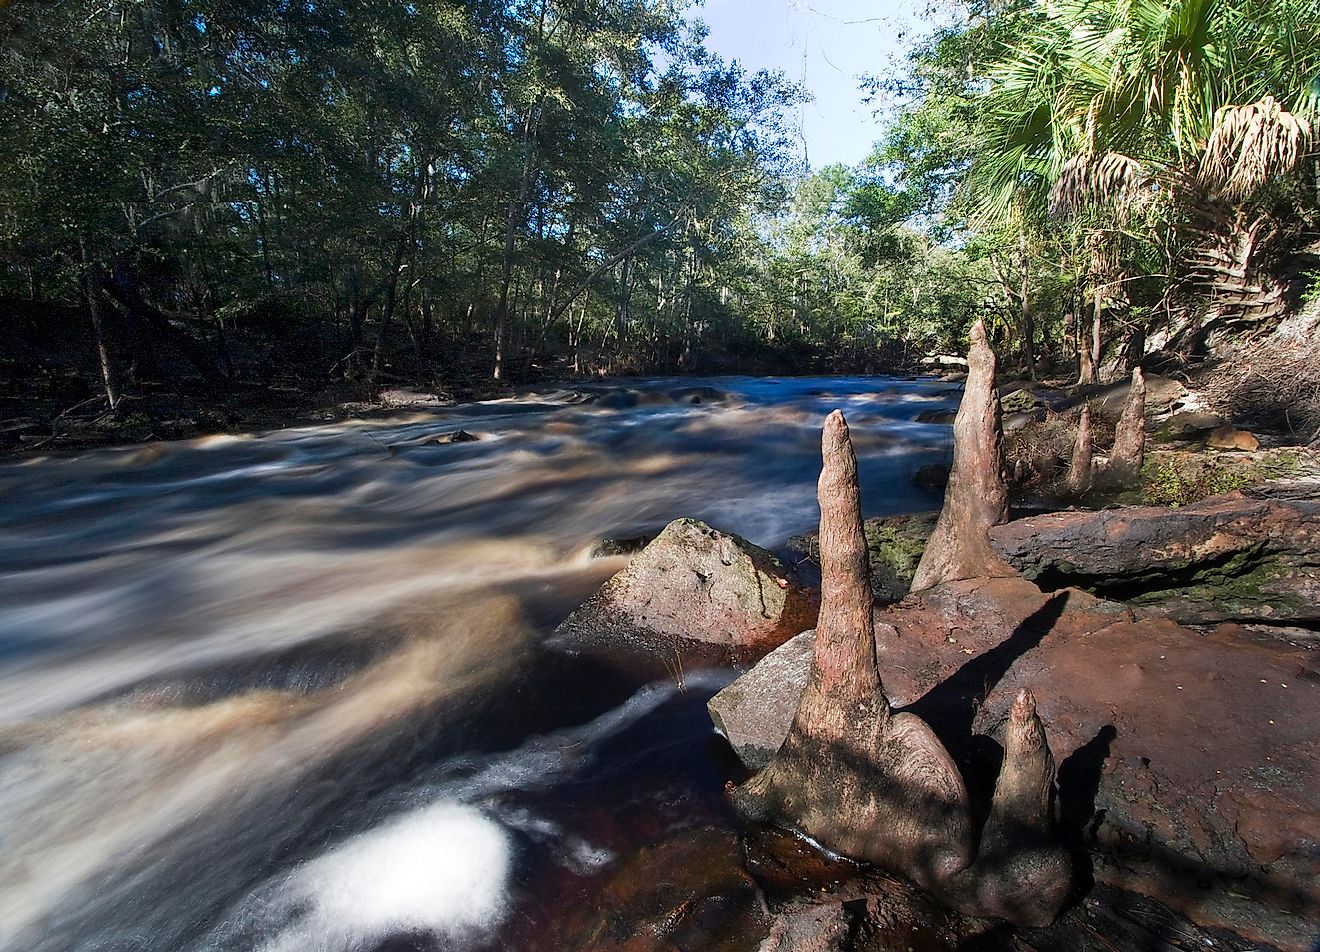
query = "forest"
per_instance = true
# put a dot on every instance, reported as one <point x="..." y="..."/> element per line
<point x="216" y="194"/>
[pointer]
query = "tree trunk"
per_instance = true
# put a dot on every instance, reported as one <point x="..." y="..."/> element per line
<point x="1028" y="319"/>
<point x="1085" y="358"/>
<point x="93" y="283"/>
<point x="1097" y="350"/>
<point x="515" y="211"/>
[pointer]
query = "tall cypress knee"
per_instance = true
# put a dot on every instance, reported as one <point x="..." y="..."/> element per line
<point x="976" y="497"/>
<point x="854" y="776"/>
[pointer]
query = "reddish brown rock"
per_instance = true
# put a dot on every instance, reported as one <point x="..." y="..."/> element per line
<point x="1188" y="760"/>
<point x="696" y="584"/>
<point x="1229" y="557"/>
<point x="976" y="497"/>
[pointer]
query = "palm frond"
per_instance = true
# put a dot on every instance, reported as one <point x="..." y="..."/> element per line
<point x="1098" y="178"/>
<point x="1252" y="144"/>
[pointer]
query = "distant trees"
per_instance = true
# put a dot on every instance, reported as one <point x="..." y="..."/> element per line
<point x="414" y="191"/>
<point x="379" y="188"/>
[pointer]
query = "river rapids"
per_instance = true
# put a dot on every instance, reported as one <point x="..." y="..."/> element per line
<point x="292" y="692"/>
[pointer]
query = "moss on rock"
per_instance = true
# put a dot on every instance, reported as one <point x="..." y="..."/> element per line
<point x="894" y="546"/>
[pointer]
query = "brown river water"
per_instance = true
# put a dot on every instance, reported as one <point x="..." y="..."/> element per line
<point x="293" y="691"/>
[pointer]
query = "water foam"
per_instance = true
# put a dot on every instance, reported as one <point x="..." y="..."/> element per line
<point x="443" y="869"/>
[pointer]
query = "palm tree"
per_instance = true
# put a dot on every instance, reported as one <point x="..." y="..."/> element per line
<point x="1194" y="116"/>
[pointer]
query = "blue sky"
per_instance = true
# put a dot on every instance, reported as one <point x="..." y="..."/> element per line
<point x="827" y="43"/>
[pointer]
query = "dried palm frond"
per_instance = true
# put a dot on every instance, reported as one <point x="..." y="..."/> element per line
<point x="1098" y="178"/>
<point x="1252" y="144"/>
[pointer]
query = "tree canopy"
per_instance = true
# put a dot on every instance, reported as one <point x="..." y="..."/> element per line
<point x="385" y="192"/>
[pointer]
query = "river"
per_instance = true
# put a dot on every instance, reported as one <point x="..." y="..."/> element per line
<point x="291" y="691"/>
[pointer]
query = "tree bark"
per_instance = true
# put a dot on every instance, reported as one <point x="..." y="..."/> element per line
<point x="853" y="775"/>
<point x="976" y="497"/>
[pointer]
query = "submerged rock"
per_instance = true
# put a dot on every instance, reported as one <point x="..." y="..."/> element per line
<point x="932" y="477"/>
<point x="696" y="584"/>
<point x="689" y="892"/>
<point x="942" y="417"/>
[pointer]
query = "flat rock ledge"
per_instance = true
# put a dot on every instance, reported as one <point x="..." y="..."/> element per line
<point x="1226" y="558"/>
<point x="1189" y="760"/>
<point x="1233" y="557"/>
<point x="695" y="584"/>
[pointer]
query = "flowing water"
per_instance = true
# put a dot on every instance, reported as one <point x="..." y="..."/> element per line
<point x="292" y="691"/>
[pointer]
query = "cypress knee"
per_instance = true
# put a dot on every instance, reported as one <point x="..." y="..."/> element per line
<point x="1130" y="435"/>
<point x="976" y="497"/>
<point x="852" y="775"/>
<point x="1079" y="470"/>
<point x="1022" y="873"/>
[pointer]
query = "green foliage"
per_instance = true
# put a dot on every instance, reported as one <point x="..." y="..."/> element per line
<point x="381" y="189"/>
<point x="1177" y="480"/>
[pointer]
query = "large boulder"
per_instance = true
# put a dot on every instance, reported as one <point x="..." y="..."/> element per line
<point x="1188" y="759"/>
<point x="1225" y="558"/>
<point x="696" y="584"/>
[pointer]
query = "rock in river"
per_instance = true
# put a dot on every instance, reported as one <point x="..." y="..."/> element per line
<point x="696" y="584"/>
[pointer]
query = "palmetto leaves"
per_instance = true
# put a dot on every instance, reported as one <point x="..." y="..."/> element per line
<point x="1105" y="178"/>
<point x="1094" y="92"/>
<point x="1252" y="144"/>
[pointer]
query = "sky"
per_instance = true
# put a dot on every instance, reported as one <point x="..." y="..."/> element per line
<point x="825" y="45"/>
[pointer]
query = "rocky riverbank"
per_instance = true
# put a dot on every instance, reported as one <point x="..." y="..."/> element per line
<point x="1171" y="652"/>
